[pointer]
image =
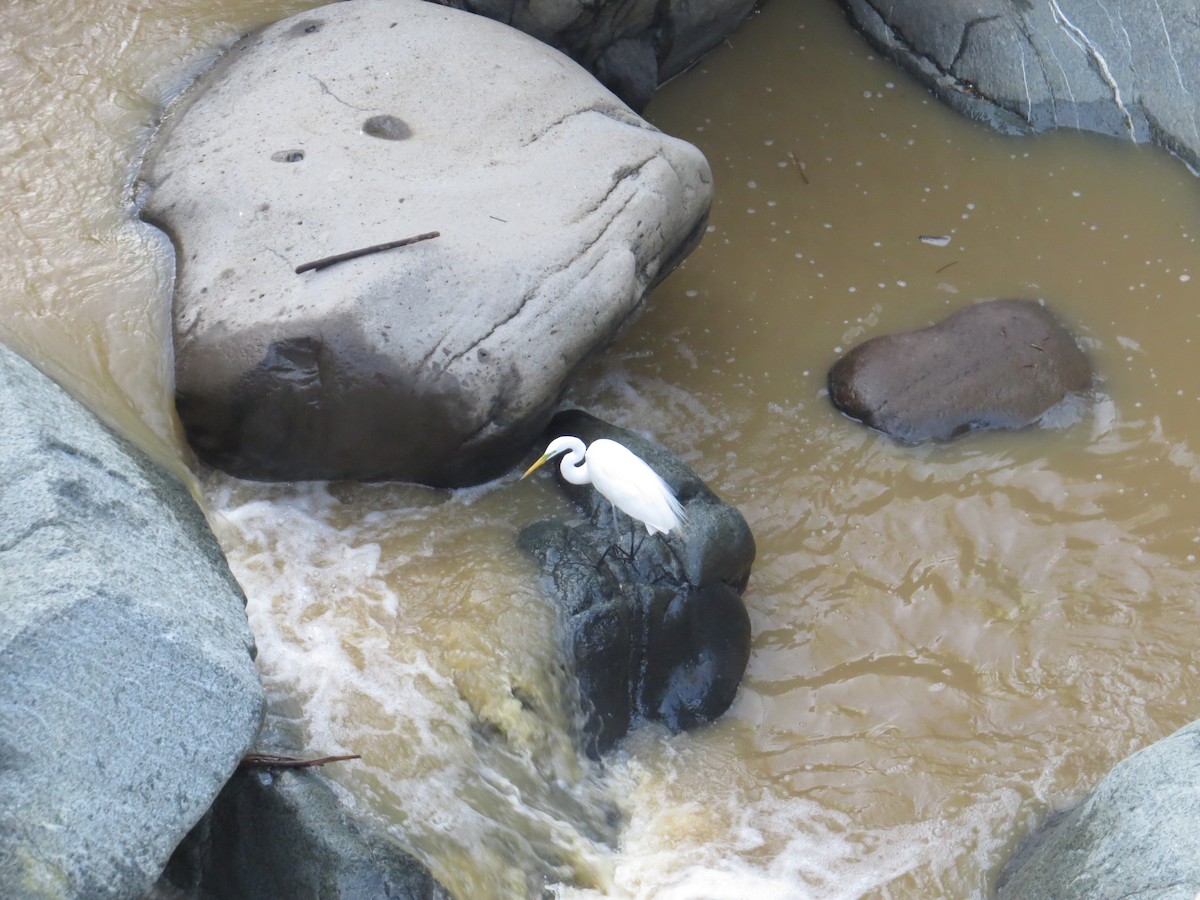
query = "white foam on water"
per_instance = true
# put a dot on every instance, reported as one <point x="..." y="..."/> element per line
<point x="751" y="843"/>
<point x="298" y="569"/>
<point x="389" y="624"/>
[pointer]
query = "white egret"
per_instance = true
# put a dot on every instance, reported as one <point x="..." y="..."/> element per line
<point x="622" y="477"/>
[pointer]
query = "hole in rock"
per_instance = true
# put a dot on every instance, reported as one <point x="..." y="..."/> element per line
<point x="387" y="127"/>
<point x="307" y="26"/>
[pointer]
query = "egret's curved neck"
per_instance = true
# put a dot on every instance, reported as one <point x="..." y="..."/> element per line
<point x="574" y="466"/>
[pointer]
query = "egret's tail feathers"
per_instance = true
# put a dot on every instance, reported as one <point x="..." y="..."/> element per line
<point x="678" y="517"/>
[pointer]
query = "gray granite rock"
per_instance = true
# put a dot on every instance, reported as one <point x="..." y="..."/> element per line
<point x="1126" y="68"/>
<point x="1134" y="836"/>
<point x="359" y="123"/>
<point x="128" y="691"/>
<point x="632" y="46"/>
<point x="996" y="364"/>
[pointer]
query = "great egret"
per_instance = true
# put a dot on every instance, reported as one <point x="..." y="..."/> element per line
<point x="622" y="478"/>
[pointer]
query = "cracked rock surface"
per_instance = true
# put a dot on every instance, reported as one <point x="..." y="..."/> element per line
<point x="1127" y="68"/>
<point x="128" y="691"/>
<point x="361" y="123"/>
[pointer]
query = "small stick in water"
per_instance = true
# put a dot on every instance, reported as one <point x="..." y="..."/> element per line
<point x="799" y="167"/>
<point x="318" y="264"/>
<point x="945" y="267"/>
<point x="278" y="761"/>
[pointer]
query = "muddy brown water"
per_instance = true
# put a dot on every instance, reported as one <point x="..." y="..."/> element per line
<point x="949" y="641"/>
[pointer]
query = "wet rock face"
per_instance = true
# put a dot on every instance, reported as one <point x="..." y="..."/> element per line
<point x="997" y="364"/>
<point x="1134" y="835"/>
<point x="659" y="636"/>
<point x="1125" y="68"/>
<point x="632" y="46"/>
<point x="363" y="123"/>
<point x="279" y="833"/>
<point x="127" y="684"/>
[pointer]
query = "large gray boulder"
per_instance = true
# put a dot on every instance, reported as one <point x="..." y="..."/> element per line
<point x="632" y="46"/>
<point x="1127" y="68"/>
<point x="1134" y="836"/>
<point x="359" y="123"/>
<point x="128" y="691"/>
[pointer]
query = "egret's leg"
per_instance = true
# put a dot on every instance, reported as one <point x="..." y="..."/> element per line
<point x="616" y="528"/>
<point x="616" y="544"/>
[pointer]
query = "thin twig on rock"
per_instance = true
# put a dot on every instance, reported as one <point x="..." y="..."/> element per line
<point x="279" y="761"/>
<point x="318" y="264"/>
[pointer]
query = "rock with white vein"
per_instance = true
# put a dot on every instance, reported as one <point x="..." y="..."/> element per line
<point x="1126" y="68"/>
<point x="362" y="123"/>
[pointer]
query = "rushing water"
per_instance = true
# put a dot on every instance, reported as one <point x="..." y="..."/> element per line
<point x="949" y="640"/>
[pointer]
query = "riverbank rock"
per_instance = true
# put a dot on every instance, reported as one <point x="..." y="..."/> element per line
<point x="1134" y="835"/>
<point x="1123" y="68"/>
<point x="284" y="833"/>
<point x="997" y="364"/>
<point x="659" y="636"/>
<point x="360" y="123"/>
<point x="128" y="691"/>
<point x="631" y="46"/>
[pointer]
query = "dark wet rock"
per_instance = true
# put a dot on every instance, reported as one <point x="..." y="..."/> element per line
<point x="662" y="636"/>
<point x="996" y="364"/>
<point x="1134" y="835"/>
<point x="631" y="46"/>
<point x="128" y="691"/>
<point x="284" y="833"/>
<point x="361" y="123"/>
<point x="1124" y="68"/>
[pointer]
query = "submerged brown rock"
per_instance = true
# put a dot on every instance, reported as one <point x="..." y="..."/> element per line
<point x="997" y="364"/>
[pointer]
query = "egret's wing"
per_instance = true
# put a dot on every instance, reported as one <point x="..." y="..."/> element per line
<point x="635" y="488"/>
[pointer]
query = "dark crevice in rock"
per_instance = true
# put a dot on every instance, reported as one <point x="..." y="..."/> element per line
<point x="965" y="40"/>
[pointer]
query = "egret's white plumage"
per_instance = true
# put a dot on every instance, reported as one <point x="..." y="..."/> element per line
<point x="622" y="477"/>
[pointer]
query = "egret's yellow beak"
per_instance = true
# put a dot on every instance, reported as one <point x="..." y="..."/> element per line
<point x="536" y="464"/>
